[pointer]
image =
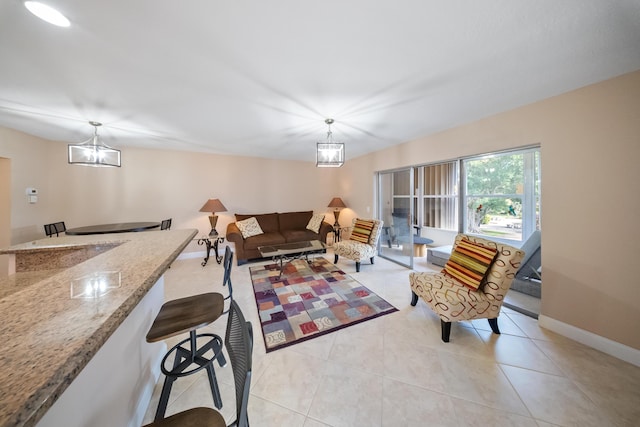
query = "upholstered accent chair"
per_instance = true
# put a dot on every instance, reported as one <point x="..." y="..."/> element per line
<point x="358" y="246"/>
<point x="453" y="301"/>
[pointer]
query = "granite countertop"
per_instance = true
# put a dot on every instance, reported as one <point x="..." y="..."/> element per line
<point x="68" y="242"/>
<point x="52" y="327"/>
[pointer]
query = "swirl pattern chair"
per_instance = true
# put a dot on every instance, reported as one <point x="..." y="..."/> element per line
<point x="362" y="243"/>
<point x="453" y="301"/>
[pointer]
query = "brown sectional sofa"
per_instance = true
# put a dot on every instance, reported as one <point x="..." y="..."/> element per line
<point x="283" y="227"/>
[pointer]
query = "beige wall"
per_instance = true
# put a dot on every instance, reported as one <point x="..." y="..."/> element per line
<point x="590" y="141"/>
<point x="590" y="147"/>
<point x="152" y="185"/>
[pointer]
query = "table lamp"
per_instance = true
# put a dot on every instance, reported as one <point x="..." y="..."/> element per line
<point x="336" y="203"/>
<point x="213" y="206"/>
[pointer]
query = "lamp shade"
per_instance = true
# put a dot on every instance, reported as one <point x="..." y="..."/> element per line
<point x="213" y="205"/>
<point x="337" y="202"/>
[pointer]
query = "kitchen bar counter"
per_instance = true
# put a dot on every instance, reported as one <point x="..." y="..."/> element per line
<point x="55" y="319"/>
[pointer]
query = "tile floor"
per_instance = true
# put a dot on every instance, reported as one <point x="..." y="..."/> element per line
<point x="395" y="370"/>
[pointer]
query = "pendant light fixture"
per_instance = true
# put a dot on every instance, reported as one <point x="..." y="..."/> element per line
<point x="93" y="152"/>
<point x="330" y="154"/>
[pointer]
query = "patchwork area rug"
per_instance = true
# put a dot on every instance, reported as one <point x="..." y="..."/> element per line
<point x="310" y="300"/>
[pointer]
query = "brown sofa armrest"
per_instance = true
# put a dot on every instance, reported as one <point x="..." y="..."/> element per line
<point x="233" y="234"/>
<point x="325" y="228"/>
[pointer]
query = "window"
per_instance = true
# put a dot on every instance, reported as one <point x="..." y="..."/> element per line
<point x="502" y="194"/>
<point x="495" y="195"/>
<point x="440" y="196"/>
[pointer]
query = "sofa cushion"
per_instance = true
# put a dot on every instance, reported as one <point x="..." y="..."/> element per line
<point x="356" y="251"/>
<point x="265" y="239"/>
<point x="451" y="301"/>
<point x="469" y="262"/>
<point x="249" y="227"/>
<point x="299" y="235"/>
<point x="294" y="220"/>
<point x="268" y="222"/>
<point x="361" y="231"/>
<point x="315" y="222"/>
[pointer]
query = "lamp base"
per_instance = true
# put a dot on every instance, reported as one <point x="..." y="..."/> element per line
<point x="336" y="215"/>
<point x="213" y="220"/>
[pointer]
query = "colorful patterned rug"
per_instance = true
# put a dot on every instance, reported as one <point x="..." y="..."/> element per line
<point x="310" y="300"/>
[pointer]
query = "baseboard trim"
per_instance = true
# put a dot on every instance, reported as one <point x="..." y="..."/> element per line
<point x="605" y="345"/>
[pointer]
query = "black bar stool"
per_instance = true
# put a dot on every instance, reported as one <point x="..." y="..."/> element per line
<point x="239" y="343"/>
<point x="187" y="315"/>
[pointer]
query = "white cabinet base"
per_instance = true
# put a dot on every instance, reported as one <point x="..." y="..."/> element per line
<point x="115" y="387"/>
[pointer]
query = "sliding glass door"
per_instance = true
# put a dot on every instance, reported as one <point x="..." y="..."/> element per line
<point x="396" y="209"/>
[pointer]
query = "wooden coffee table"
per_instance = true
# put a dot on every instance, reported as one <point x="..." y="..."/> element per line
<point x="286" y="252"/>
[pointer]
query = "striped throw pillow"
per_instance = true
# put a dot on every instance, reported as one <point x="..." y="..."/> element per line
<point x="469" y="263"/>
<point x="361" y="231"/>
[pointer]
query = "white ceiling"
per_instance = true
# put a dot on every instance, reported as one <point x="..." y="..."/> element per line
<point x="259" y="77"/>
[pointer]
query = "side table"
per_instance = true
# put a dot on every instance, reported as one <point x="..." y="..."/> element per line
<point x="419" y="245"/>
<point x="211" y="241"/>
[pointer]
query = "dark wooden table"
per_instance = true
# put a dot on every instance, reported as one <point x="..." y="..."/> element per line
<point x="122" y="227"/>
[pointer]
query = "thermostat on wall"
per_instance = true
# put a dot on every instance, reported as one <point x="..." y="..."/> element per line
<point x="32" y="194"/>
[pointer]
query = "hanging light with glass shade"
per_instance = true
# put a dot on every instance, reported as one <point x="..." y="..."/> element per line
<point x="94" y="152"/>
<point x="330" y="154"/>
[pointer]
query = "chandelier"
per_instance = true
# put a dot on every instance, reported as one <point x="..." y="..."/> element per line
<point x="93" y="152"/>
<point x="329" y="154"/>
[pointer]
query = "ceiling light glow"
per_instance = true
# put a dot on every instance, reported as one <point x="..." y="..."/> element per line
<point x="47" y="13"/>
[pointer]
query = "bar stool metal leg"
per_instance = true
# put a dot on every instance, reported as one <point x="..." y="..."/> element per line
<point x="183" y="359"/>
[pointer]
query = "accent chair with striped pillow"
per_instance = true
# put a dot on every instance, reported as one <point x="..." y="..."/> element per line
<point x="362" y="243"/>
<point x="453" y="298"/>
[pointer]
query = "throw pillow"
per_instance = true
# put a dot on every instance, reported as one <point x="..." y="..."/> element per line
<point x="361" y="231"/>
<point x="249" y="227"/>
<point x="469" y="263"/>
<point x="315" y="222"/>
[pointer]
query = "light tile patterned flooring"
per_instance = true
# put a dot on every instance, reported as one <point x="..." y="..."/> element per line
<point x="395" y="370"/>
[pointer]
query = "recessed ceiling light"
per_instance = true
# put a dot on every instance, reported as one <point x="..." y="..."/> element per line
<point x="47" y="13"/>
